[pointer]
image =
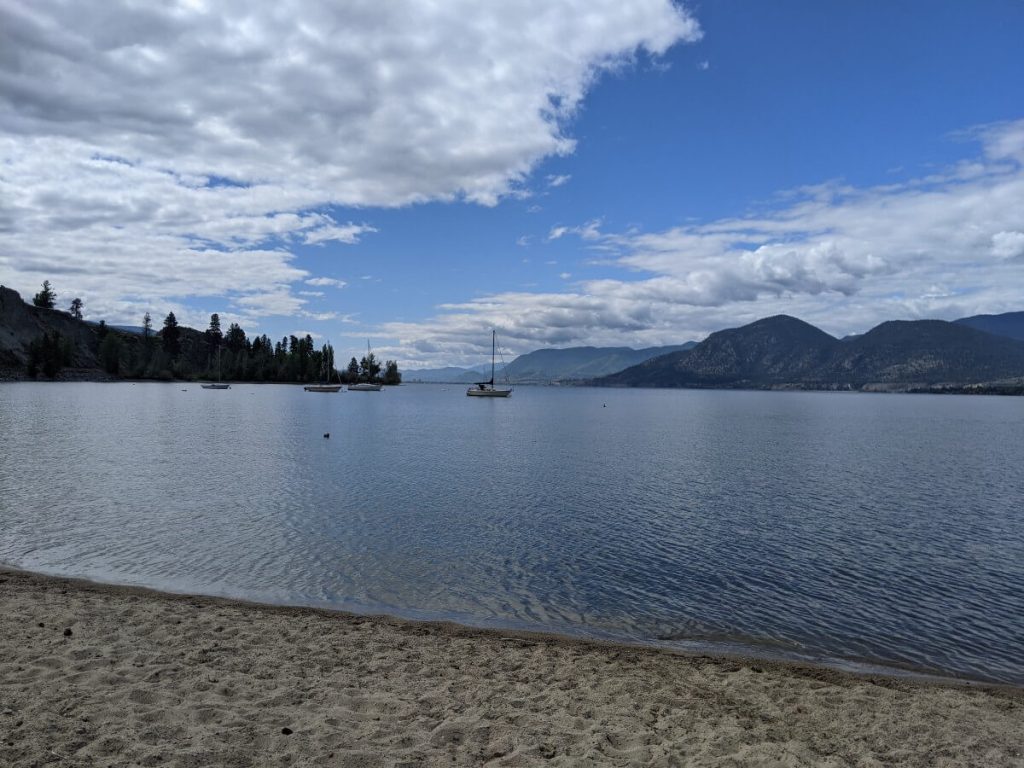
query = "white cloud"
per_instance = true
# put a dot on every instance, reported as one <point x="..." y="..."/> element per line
<point x="704" y="66"/>
<point x="326" y="282"/>
<point x="175" y="150"/>
<point x="557" y="232"/>
<point x="557" y="181"/>
<point x="523" y="240"/>
<point x="349" y="233"/>
<point x="843" y="258"/>
<point x="1008" y="245"/>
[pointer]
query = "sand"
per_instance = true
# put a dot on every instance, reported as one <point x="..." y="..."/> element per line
<point x="93" y="675"/>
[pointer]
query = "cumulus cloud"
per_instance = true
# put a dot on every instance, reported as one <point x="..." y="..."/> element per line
<point x="349" y="233"/>
<point x="843" y="258"/>
<point x="559" y="180"/>
<point x="326" y="281"/>
<point x="177" y="150"/>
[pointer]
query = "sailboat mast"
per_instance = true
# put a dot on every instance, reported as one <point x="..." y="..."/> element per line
<point x="493" y="335"/>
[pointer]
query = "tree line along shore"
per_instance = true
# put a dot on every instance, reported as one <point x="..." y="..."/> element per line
<point x="46" y="342"/>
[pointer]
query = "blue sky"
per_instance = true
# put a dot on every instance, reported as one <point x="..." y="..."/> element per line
<point x="570" y="173"/>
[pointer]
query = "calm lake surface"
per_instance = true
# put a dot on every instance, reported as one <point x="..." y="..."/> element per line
<point x="885" y="529"/>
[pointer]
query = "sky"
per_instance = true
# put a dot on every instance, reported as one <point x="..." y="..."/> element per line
<point x="568" y="172"/>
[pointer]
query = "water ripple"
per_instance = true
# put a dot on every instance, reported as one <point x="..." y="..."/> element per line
<point x="882" y="529"/>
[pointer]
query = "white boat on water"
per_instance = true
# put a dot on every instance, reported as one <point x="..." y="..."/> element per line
<point x="218" y="384"/>
<point x="366" y="386"/>
<point x="326" y="374"/>
<point x="487" y="388"/>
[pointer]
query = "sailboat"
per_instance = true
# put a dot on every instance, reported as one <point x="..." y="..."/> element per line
<point x="366" y="386"/>
<point x="324" y="385"/>
<point x="487" y="388"/>
<point x="218" y="385"/>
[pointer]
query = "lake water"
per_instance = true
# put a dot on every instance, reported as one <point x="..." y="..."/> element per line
<point x="885" y="529"/>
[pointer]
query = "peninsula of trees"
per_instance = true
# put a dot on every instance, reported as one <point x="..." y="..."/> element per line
<point x="40" y="339"/>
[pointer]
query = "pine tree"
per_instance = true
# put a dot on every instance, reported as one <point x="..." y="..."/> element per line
<point x="147" y="326"/>
<point x="46" y="298"/>
<point x="76" y="308"/>
<point x="171" y="335"/>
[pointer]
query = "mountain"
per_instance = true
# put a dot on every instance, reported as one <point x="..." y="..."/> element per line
<point x="574" y="363"/>
<point x="22" y="325"/>
<point x="769" y="351"/>
<point x="1009" y="324"/>
<point x="782" y="351"/>
<point x="448" y="375"/>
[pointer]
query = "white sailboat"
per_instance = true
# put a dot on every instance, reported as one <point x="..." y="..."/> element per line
<point x="366" y="386"/>
<point x="218" y="385"/>
<point x="325" y="376"/>
<point x="487" y="388"/>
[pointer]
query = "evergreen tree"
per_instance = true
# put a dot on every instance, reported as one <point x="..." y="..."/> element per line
<point x="110" y="353"/>
<point x="235" y="339"/>
<point x="352" y="372"/>
<point x="46" y="298"/>
<point x="171" y="336"/>
<point x="369" y="368"/>
<point x="102" y="330"/>
<point x="391" y="374"/>
<point x="213" y="333"/>
<point x="50" y="352"/>
<point x="76" y="308"/>
<point x="147" y="326"/>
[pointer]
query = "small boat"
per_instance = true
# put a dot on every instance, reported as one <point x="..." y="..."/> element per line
<point x="487" y="388"/>
<point x="218" y="385"/>
<point x="326" y="376"/>
<point x="366" y="386"/>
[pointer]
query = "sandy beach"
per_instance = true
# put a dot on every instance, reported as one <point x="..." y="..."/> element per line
<point x="94" y="675"/>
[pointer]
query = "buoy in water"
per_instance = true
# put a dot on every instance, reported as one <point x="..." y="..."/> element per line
<point x="327" y="434"/>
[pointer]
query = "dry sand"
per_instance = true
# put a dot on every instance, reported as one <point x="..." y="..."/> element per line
<point x="144" y="678"/>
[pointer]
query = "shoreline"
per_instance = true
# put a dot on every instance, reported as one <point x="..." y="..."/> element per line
<point x="726" y="650"/>
<point x="95" y="674"/>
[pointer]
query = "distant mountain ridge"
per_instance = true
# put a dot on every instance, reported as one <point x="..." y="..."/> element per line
<point x="544" y="366"/>
<point x="1009" y="324"/>
<point x="575" y="363"/>
<point x="784" y="352"/>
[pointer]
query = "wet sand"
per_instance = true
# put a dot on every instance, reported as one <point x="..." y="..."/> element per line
<point x="94" y="675"/>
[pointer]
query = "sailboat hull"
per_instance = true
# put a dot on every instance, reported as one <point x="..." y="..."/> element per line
<point x="323" y="388"/>
<point x="477" y="392"/>
<point x="365" y="387"/>
<point x="216" y="386"/>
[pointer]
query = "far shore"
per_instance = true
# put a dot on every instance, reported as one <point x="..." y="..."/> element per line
<point x="95" y="675"/>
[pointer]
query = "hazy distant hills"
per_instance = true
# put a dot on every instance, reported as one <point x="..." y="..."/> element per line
<point x="544" y="366"/>
<point x="574" y="363"/>
<point x="448" y="375"/>
<point x="1009" y="324"/>
<point x="782" y="351"/>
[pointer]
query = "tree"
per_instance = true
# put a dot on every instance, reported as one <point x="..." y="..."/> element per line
<point x="110" y="353"/>
<point x="171" y="335"/>
<point x="50" y="352"/>
<point x="213" y="333"/>
<point x="147" y="326"/>
<point x="102" y="330"/>
<point x="369" y="368"/>
<point x="76" y="308"/>
<point x="235" y="340"/>
<point x="352" y="372"/>
<point x="46" y="298"/>
<point x="391" y="373"/>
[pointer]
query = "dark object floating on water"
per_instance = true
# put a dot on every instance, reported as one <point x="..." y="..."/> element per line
<point x="327" y="434"/>
<point x="67" y="632"/>
<point x="286" y="731"/>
